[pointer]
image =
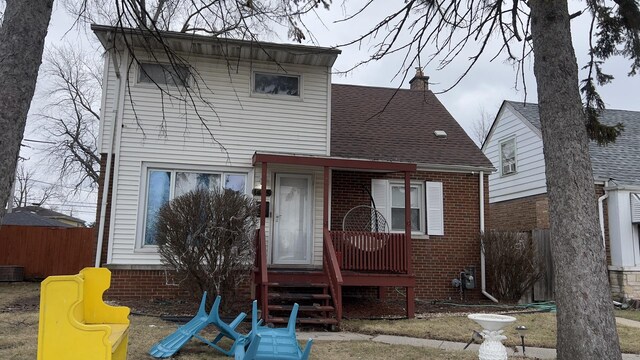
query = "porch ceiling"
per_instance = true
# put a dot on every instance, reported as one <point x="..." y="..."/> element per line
<point x="332" y="162"/>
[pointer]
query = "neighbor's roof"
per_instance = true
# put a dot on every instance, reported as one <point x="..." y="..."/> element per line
<point x="619" y="161"/>
<point x="47" y="213"/>
<point x="398" y="125"/>
<point x="209" y="45"/>
<point x="26" y="218"/>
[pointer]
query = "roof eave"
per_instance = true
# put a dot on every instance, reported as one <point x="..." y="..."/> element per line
<point x="295" y="54"/>
<point x="455" y="168"/>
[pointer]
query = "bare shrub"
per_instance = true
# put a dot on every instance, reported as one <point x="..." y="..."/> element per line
<point x="511" y="263"/>
<point x="207" y="238"/>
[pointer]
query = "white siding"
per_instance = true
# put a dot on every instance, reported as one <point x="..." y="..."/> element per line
<point x="529" y="178"/>
<point x="108" y="111"/>
<point x="240" y="122"/>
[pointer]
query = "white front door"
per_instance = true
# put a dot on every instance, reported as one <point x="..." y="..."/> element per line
<point x="292" y="230"/>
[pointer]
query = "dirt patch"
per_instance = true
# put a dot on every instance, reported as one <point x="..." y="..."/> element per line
<point x="27" y="303"/>
<point x="372" y="308"/>
<point x="160" y="307"/>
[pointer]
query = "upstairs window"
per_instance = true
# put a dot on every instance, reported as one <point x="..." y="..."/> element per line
<point x="508" y="157"/>
<point x="275" y="84"/>
<point x="164" y="74"/>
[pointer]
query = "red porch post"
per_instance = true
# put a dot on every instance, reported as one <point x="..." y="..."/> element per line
<point x="407" y="234"/>
<point x="264" y="282"/>
<point x="325" y="199"/>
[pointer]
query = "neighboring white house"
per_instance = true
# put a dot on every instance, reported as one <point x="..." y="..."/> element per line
<point x="517" y="191"/>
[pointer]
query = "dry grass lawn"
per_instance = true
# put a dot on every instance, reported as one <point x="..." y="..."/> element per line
<point x="542" y="330"/>
<point x="629" y="314"/>
<point x="19" y="331"/>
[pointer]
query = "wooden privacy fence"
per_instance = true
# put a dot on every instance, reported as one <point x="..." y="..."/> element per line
<point x="45" y="251"/>
<point x="543" y="289"/>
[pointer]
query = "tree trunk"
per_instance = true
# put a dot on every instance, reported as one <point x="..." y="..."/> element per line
<point x="22" y="34"/>
<point x="586" y="324"/>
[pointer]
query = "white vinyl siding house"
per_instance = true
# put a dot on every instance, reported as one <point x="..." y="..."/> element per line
<point x="156" y="131"/>
<point x="527" y="177"/>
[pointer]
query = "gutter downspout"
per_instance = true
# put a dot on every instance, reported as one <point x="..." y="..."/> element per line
<point x="482" y="263"/>
<point x="107" y="176"/>
<point x="601" y="200"/>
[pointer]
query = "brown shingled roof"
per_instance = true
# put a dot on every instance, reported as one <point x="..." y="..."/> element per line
<point x="402" y="132"/>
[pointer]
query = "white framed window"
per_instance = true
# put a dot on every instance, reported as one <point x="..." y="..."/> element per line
<point x="281" y="85"/>
<point x="427" y="211"/>
<point x="164" y="74"/>
<point x="397" y="207"/>
<point x="163" y="185"/>
<point x="508" y="163"/>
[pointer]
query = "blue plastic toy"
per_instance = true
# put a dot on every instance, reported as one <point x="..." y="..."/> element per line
<point x="262" y="343"/>
<point x="172" y="343"/>
<point x="275" y="343"/>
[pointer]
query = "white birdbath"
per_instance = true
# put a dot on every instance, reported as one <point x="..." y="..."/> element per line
<point x="492" y="348"/>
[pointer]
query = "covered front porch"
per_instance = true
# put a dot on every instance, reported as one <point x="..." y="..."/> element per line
<point x="366" y="257"/>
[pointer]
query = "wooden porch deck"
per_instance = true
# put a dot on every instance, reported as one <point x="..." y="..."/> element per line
<point x="349" y="259"/>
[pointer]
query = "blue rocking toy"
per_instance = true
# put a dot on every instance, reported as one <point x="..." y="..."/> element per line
<point x="172" y="343"/>
<point x="262" y="343"/>
<point x="267" y="343"/>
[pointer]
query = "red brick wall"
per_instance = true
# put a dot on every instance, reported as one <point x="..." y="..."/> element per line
<point x="142" y="284"/>
<point x="156" y="284"/>
<point x="524" y="214"/>
<point x="439" y="259"/>
<point x="532" y="212"/>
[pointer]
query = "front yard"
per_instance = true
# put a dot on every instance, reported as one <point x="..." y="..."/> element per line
<point x="19" y="330"/>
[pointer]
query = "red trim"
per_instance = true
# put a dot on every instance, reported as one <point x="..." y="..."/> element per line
<point x="264" y="277"/>
<point x="325" y="210"/>
<point x="333" y="162"/>
<point x="407" y="220"/>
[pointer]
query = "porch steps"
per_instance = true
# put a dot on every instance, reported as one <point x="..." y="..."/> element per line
<point x="316" y="307"/>
<point x="298" y="296"/>
<point x="305" y="308"/>
<point x="305" y="321"/>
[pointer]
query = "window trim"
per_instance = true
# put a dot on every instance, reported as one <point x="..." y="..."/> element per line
<point x="515" y="155"/>
<point x="138" y="73"/>
<point x="422" y="207"/>
<point x="298" y="97"/>
<point x="146" y="168"/>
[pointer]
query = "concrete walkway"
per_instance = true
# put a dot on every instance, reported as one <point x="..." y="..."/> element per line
<point x="533" y="352"/>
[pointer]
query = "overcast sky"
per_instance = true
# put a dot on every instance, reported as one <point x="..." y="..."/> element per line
<point x="483" y="89"/>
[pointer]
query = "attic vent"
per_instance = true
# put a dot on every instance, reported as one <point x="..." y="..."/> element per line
<point x="440" y="134"/>
<point x="635" y="208"/>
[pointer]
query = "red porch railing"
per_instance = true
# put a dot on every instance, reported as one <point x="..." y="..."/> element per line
<point x="332" y="269"/>
<point x="371" y="252"/>
<point x="261" y="265"/>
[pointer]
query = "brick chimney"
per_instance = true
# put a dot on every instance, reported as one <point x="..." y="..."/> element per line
<point x="419" y="81"/>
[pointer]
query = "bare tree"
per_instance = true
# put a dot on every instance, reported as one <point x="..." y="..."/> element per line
<point x="481" y="127"/>
<point x="24" y="27"/>
<point x="541" y="27"/>
<point x="71" y="116"/>
<point x="438" y="31"/>
<point x="29" y="190"/>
